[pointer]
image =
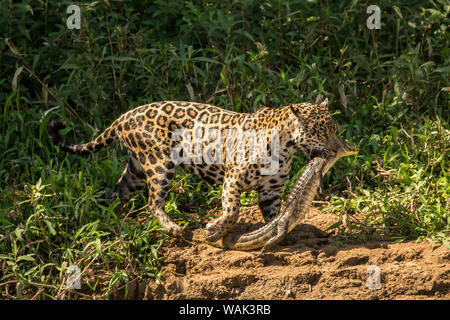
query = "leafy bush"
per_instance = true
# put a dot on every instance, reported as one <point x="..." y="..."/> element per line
<point x="388" y="89"/>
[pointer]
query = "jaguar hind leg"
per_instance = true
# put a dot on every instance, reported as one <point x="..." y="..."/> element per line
<point x="159" y="177"/>
<point x="132" y="181"/>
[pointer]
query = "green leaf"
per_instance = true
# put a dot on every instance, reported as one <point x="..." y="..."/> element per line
<point x="446" y="242"/>
<point x="154" y="252"/>
<point x="120" y="58"/>
<point x="224" y="80"/>
<point x="204" y="59"/>
<point x="50" y="227"/>
<point x="98" y="246"/>
<point x="27" y="257"/>
<point x="5" y="257"/>
<point x="398" y="12"/>
<point x="18" y="233"/>
<point x="334" y="225"/>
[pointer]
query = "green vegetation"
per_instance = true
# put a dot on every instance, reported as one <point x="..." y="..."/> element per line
<point x="388" y="88"/>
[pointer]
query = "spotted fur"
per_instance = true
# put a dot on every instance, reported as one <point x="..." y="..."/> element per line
<point x="147" y="132"/>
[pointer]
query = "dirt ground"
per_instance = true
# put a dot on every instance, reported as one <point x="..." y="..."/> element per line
<point x="308" y="264"/>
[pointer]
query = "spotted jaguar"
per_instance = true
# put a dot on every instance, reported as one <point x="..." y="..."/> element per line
<point x="207" y="141"/>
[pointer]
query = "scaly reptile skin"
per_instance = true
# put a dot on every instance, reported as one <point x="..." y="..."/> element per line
<point x="296" y="206"/>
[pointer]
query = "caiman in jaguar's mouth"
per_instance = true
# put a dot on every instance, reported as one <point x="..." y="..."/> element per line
<point x="296" y="206"/>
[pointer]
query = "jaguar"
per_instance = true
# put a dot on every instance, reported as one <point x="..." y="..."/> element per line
<point x="159" y="134"/>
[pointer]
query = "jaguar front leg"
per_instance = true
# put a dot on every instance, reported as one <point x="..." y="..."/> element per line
<point x="269" y="201"/>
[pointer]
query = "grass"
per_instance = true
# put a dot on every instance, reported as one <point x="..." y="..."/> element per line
<point x="387" y="88"/>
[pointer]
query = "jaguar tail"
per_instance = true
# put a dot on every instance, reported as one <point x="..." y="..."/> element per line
<point x="103" y="140"/>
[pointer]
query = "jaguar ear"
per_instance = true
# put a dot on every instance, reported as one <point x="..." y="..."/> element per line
<point x="295" y="111"/>
<point x="324" y="103"/>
